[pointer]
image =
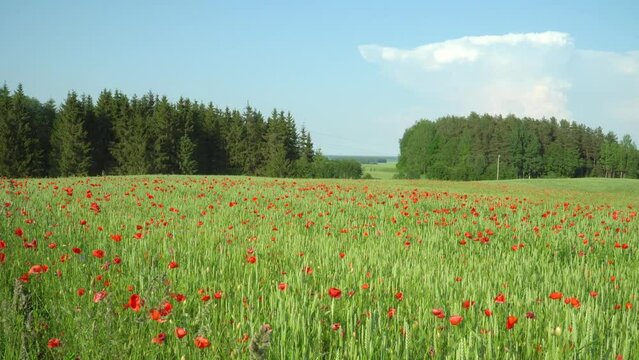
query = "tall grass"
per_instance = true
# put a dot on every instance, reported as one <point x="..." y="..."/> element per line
<point x="439" y="244"/>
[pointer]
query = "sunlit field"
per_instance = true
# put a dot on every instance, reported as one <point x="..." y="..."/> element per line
<point x="384" y="171"/>
<point x="173" y="267"/>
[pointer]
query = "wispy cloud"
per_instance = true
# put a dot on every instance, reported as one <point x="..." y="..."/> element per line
<point x="530" y="74"/>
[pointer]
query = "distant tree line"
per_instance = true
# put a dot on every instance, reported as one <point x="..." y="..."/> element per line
<point x="468" y="148"/>
<point x="151" y="135"/>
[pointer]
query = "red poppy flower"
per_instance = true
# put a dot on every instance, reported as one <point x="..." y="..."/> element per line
<point x="500" y="299"/>
<point x="156" y="315"/>
<point x="594" y="293"/>
<point x="556" y="295"/>
<point x="18" y="232"/>
<point x="135" y="303"/>
<point x="81" y="291"/>
<point x="206" y="297"/>
<point x="365" y="286"/>
<point x="282" y="286"/>
<point x="173" y="265"/>
<point x="391" y="312"/>
<point x="399" y="296"/>
<point x="335" y="293"/>
<point x="573" y="301"/>
<point x="180" y="332"/>
<point x="3" y="257"/>
<point x="53" y="343"/>
<point x="251" y="259"/>
<point x="38" y="269"/>
<point x="530" y="315"/>
<point x="467" y="304"/>
<point x="437" y="312"/>
<point x="455" y="320"/>
<point x="179" y="297"/>
<point x="30" y="245"/>
<point x="116" y="237"/>
<point x="159" y="339"/>
<point x="99" y="296"/>
<point x="202" y="342"/>
<point x="3" y="244"/>
<point x="99" y="253"/>
<point x="511" y="321"/>
<point x="76" y="250"/>
<point x="488" y="312"/>
<point x="336" y="326"/>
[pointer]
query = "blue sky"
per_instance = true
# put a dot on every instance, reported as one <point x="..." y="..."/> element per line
<point x="356" y="74"/>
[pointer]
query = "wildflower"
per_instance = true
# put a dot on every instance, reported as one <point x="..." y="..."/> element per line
<point x="455" y="320"/>
<point x="335" y="293"/>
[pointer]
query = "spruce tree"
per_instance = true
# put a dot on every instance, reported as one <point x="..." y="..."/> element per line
<point x="186" y="146"/>
<point x="5" y="133"/>
<point x="164" y="158"/>
<point x="276" y="162"/>
<point x="131" y="146"/>
<point x="100" y="133"/>
<point x="22" y="155"/>
<point x="71" y="151"/>
<point x="235" y="139"/>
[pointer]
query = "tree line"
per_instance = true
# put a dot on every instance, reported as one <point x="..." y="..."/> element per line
<point x="468" y="148"/>
<point x="151" y="135"/>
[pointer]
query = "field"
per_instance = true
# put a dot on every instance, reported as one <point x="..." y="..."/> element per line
<point x="173" y="267"/>
<point x="385" y="171"/>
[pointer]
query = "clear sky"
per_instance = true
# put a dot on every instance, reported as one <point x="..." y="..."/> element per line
<point x="355" y="73"/>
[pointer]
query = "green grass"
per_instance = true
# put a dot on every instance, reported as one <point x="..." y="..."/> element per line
<point x="437" y="243"/>
<point x="384" y="171"/>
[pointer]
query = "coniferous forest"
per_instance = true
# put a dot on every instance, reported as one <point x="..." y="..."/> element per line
<point x="468" y="148"/>
<point x="118" y="135"/>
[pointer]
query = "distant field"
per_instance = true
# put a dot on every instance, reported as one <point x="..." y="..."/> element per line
<point x="173" y="267"/>
<point x="382" y="171"/>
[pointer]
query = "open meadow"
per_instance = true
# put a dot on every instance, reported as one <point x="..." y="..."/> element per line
<point x="384" y="171"/>
<point x="179" y="267"/>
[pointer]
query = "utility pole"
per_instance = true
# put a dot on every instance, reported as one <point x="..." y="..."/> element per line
<point x="498" y="156"/>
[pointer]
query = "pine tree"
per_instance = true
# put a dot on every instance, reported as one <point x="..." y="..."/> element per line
<point x="131" y="147"/>
<point x="276" y="163"/>
<point x="303" y="165"/>
<point x="44" y="128"/>
<point x="100" y="133"/>
<point x="235" y="139"/>
<point x="254" y="141"/>
<point x="212" y="156"/>
<point x="5" y="133"/>
<point x="22" y="155"/>
<point x="164" y="157"/>
<point x="71" y="151"/>
<point x="186" y="146"/>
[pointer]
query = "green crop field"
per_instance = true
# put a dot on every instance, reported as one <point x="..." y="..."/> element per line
<point x="177" y="267"/>
<point x="383" y="171"/>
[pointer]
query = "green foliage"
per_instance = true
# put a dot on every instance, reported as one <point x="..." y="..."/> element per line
<point x="467" y="148"/>
<point x="150" y="134"/>
<point x="336" y="169"/>
<point x="20" y="154"/>
<point x="71" y="153"/>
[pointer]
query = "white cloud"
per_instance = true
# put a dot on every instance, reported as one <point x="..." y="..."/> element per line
<point x="532" y="74"/>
